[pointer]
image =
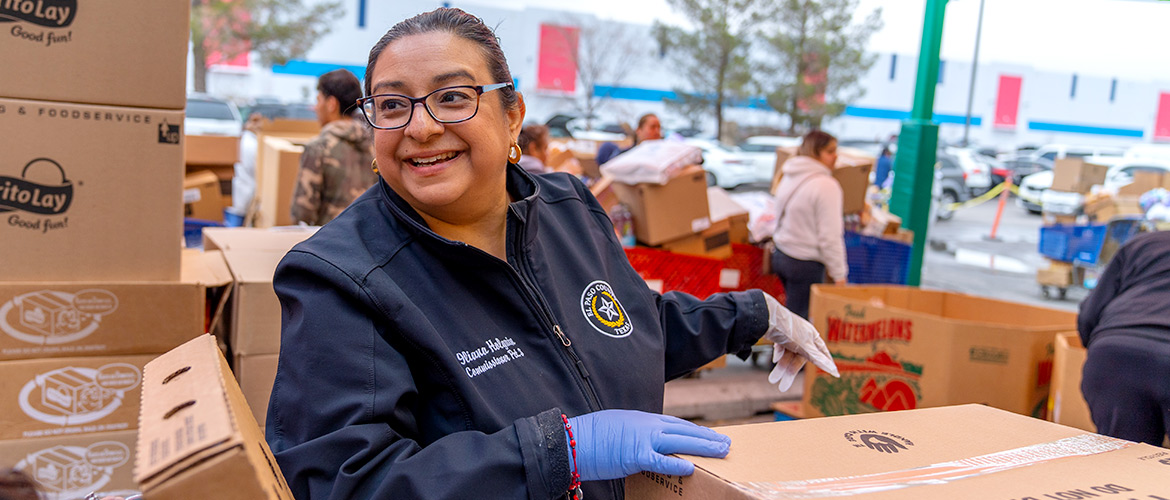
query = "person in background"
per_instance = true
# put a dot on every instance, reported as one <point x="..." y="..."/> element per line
<point x="533" y="142"/>
<point x="1125" y="328"/>
<point x="336" y="166"/>
<point x="16" y="485"/>
<point x="809" y="234"/>
<point x="244" y="178"/>
<point x="649" y="128"/>
<point x="885" y="163"/>
<point x="467" y="328"/>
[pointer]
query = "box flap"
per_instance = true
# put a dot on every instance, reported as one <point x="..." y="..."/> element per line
<point x="250" y="238"/>
<point x="721" y="206"/>
<point x="253" y="266"/>
<point x="185" y="416"/>
<point x="200" y="178"/>
<point x="955" y="307"/>
<point x="205" y="268"/>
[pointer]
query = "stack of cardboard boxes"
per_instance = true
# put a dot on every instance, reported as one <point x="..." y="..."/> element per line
<point x="207" y="189"/>
<point x="1072" y="180"/>
<point x="1102" y="206"/>
<point x="278" y="159"/>
<point x="93" y="284"/>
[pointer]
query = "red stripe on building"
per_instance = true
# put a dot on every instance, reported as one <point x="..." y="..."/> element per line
<point x="1162" y="123"/>
<point x="557" y="63"/>
<point x="1007" y="103"/>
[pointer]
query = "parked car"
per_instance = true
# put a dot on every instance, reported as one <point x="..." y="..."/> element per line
<point x="1122" y="173"/>
<point x="974" y="165"/>
<point x="573" y="127"/>
<point x="1021" y="168"/>
<point x="274" y="110"/>
<point x="727" y="167"/>
<point x="951" y="187"/>
<point x="207" y="115"/>
<point x="762" y="149"/>
<point x="1032" y="189"/>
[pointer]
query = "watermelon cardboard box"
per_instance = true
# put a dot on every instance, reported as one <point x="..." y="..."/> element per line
<point x="901" y="348"/>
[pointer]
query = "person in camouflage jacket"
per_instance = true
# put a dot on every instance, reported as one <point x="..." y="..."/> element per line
<point x="336" y="165"/>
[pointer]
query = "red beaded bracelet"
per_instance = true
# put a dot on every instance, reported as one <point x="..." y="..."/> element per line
<point x="575" y="492"/>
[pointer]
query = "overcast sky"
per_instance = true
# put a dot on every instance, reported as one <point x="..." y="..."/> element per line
<point x="1110" y="38"/>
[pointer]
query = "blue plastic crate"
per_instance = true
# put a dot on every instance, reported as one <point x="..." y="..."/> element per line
<point x="876" y="260"/>
<point x="1069" y="243"/>
<point x="193" y="231"/>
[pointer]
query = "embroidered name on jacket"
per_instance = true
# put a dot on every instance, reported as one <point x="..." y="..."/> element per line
<point x="604" y="312"/>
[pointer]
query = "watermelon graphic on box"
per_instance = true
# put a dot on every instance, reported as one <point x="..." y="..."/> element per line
<point x="876" y="383"/>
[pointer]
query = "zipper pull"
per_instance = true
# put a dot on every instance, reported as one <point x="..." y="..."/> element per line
<point x="564" y="338"/>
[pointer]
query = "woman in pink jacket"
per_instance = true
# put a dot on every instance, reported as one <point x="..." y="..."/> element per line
<point x="809" y="235"/>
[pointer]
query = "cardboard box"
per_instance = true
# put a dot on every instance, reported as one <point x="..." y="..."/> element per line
<point x="89" y="192"/>
<point x="603" y="191"/>
<point x="69" y="467"/>
<point x="198" y="439"/>
<point x="63" y="396"/>
<point x="1075" y="175"/>
<point x="1103" y="208"/>
<point x="114" y="53"/>
<point x="964" y="453"/>
<point x="851" y="171"/>
<point x="256" y="374"/>
<point x="201" y="196"/>
<point x="721" y="206"/>
<point x="254" y="310"/>
<point x="204" y="150"/>
<point x="1058" y="274"/>
<point x="669" y="211"/>
<point x="1143" y="180"/>
<point x="1066" y="403"/>
<point x="276" y="176"/>
<point x="274" y="239"/>
<point x="901" y="348"/>
<point x="61" y="319"/>
<point x="713" y="242"/>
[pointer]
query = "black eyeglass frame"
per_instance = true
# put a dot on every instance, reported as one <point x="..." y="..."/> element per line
<point x="480" y="90"/>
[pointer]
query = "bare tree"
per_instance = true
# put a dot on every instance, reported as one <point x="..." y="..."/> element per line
<point x="605" y="52"/>
<point x="278" y="30"/>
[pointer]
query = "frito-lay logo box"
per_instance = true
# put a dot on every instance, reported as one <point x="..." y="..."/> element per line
<point x="71" y="467"/>
<point x="57" y="319"/>
<point x="66" y="396"/>
<point x="65" y="50"/>
<point x="89" y="192"/>
<point x="900" y="348"/>
<point x="969" y="452"/>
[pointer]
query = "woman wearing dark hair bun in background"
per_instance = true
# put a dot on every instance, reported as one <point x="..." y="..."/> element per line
<point x="443" y="336"/>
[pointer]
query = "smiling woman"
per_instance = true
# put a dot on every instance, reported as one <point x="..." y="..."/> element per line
<point x="444" y="335"/>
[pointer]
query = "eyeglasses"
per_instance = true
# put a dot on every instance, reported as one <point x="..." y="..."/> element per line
<point x="446" y="105"/>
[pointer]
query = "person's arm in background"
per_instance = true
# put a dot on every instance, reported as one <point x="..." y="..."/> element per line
<point x="1108" y="286"/>
<point x="340" y="419"/>
<point x="306" y="200"/>
<point x="831" y="230"/>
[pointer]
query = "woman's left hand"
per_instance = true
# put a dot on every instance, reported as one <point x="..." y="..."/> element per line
<point x="794" y="341"/>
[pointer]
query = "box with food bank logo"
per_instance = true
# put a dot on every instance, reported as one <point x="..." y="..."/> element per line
<point x="71" y="467"/>
<point x="900" y="348"/>
<point x="66" y="396"/>
<point x="89" y="192"/>
<point x="121" y="53"/>
<point x="61" y="319"/>
<point x="969" y="452"/>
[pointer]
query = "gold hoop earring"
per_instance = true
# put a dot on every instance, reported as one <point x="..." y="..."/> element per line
<point x="514" y="153"/>
<point x="374" y="165"/>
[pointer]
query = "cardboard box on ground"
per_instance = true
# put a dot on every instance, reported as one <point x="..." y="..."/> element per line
<point x="95" y="318"/>
<point x="215" y="154"/>
<point x="1059" y="274"/>
<point x="91" y="191"/>
<point x="197" y="438"/>
<point x="960" y="452"/>
<point x="278" y="159"/>
<point x="202" y="196"/>
<point x="902" y="348"/>
<point x="70" y="467"/>
<point x="851" y="171"/>
<point x="65" y="51"/>
<point x="1066" y="403"/>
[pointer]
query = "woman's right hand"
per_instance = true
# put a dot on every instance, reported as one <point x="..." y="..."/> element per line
<point x="612" y="444"/>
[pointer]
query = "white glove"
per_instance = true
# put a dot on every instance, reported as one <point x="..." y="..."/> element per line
<point x="794" y="340"/>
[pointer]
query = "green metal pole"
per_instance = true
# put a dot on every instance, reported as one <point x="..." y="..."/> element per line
<point x="914" y="164"/>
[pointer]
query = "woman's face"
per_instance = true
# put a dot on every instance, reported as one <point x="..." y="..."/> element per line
<point x="454" y="172"/>
<point x="828" y="156"/>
